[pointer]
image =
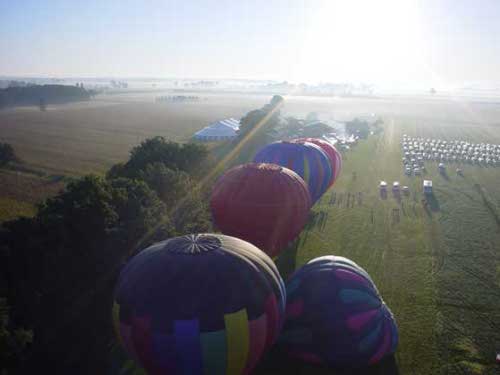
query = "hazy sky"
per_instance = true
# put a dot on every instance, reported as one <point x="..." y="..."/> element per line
<point x="381" y="41"/>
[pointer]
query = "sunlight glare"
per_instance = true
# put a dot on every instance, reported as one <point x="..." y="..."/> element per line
<point x="362" y="40"/>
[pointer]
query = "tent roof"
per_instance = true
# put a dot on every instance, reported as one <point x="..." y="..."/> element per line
<point x="222" y="128"/>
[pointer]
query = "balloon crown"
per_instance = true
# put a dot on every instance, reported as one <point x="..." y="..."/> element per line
<point x="193" y="244"/>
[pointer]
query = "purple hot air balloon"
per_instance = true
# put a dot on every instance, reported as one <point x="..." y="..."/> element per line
<point x="306" y="159"/>
<point x="336" y="316"/>
<point x="199" y="304"/>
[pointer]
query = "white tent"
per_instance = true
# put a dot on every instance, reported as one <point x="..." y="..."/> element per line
<point x="218" y="131"/>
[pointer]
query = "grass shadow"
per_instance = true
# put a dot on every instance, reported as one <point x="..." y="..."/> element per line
<point x="278" y="363"/>
<point x="396" y="194"/>
<point x="432" y="202"/>
<point x="383" y="194"/>
<point x="287" y="260"/>
<point x="444" y="175"/>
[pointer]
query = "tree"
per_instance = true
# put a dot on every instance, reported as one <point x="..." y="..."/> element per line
<point x="7" y="153"/>
<point x="13" y="342"/>
<point x="180" y="194"/>
<point x="59" y="267"/>
<point x="358" y="127"/>
<point x="185" y="157"/>
<point x="63" y="263"/>
<point x="170" y="185"/>
<point x="268" y="116"/>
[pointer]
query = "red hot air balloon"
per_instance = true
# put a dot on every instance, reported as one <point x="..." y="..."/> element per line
<point x="264" y="204"/>
<point x="332" y="153"/>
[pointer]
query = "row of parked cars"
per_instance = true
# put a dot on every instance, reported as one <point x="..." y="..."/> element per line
<point x="450" y="151"/>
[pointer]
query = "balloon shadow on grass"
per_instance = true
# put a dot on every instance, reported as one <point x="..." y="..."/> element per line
<point x="278" y="363"/>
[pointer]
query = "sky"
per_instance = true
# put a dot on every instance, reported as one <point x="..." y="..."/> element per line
<point x="437" y="42"/>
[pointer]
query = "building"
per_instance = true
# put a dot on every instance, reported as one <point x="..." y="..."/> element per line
<point x="427" y="187"/>
<point x="218" y="131"/>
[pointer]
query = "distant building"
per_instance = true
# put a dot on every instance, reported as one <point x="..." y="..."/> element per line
<point x="427" y="186"/>
<point x="218" y="131"/>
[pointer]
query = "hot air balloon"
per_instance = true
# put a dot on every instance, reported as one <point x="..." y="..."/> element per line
<point x="264" y="204"/>
<point x="199" y="304"/>
<point x="336" y="316"/>
<point x="305" y="159"/>
<point x="332" y="153"/>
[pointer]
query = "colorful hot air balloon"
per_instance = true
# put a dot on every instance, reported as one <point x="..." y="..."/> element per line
<point x="305" y="159"/>
<point x="335" y="315"/>
<point x="199" y="304"/>
<point x="332" y="153"/>
<point x="264" y="204"/>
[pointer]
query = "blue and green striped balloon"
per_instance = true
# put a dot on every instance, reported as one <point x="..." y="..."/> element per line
<point x="306" y="159"/>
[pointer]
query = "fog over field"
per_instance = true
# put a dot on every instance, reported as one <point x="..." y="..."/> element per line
<point x="82" y="137"/>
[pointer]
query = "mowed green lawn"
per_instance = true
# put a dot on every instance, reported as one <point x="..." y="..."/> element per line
<point x="438" y="268"/>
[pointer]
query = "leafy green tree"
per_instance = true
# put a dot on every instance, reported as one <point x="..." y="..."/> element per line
<point x="358" y="127"/>
<point x="180" y="194"/>
<point x="63" y="264"/>
<point x="170" y="185"/>
<point x="60" y="266"/>
<point x="268" y="116"/>
<point x="185" y="157"/>
<point x="13" y="342"/>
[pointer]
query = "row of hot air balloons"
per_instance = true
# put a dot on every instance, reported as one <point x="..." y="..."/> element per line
<point x="267" y="202"/>
<point x="216" y="303"/>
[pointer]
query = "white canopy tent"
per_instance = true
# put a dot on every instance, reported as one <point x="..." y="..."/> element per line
<point x="218" y="131"/>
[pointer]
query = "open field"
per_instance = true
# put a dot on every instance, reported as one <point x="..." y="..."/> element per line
<point x="437" y="266"/>
<point x="20" y="192"/>
<point x="76" y="139"/>
<point x="79" y="138"/>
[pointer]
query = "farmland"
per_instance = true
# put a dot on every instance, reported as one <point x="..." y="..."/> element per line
<point x="436" y="266"/>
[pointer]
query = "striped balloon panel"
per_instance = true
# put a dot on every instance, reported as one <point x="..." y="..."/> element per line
<point x="335" y="313"/>
<point x="199" y="304"/>
<point x="234" y="350"/>
<point x="333" y="155"/>
<point x="305" y="159"/>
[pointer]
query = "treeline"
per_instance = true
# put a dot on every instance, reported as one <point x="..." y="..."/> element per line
<point x="42" y="95"/>
<point x="58" y="269"/>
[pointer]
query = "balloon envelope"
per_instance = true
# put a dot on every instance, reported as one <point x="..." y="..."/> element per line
<point x="199" y="304"/>
<point x="306" y="159"/>
<point x="336" y="316"/>
<point x="264" y="204"/>
<point x="332" y="153"/>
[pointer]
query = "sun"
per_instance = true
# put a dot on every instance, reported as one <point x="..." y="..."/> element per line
<point x="362" y="41"/>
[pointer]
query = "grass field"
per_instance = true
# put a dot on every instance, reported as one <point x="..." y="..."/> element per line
<point x="77" y="139"/>
<point x="437" y="267"/>
<point x="88" y="137"/>
<point x="20" y="192"/>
